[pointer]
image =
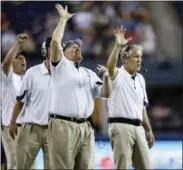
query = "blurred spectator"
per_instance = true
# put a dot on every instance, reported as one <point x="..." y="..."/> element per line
<point x="51" y="20"/>
<point x="30" y="46"/>
<point x="127" y="20"/>
<point x="83" y="19"/>
<point x="8" y="35"/>
<point x="145" y="32"/>
<point x="163" y="116"/>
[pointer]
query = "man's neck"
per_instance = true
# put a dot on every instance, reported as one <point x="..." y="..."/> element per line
<point x="19" y="74"/>
<point x="129" y="71"/>
<point x="71" y="59"/>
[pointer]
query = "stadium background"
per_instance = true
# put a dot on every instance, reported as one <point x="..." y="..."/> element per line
<point x="155" y="25"/>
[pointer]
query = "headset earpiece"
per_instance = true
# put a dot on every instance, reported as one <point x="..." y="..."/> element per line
<point x="125" y="54"/>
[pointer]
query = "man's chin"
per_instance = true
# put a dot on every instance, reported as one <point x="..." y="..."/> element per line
<point x="138" y="69"/>
<point x="23" y="70"/>
<point x="79" y="58"/>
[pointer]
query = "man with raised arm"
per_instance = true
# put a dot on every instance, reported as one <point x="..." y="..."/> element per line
<point x="127" y="106"/>
<point x="13" y="69"/>
<point x="73" y="88"/>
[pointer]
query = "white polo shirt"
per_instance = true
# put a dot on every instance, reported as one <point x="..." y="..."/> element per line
<point x="34" y="93"/>
<point x="128" y="96"/>
<point x="73" y="90"/>
<point x="10" y="88"/>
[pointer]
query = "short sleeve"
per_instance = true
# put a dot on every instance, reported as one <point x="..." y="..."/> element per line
<point x="25" y="89"/>
<point x="116" y="80"/>
<point x="7" y="78"/>
<point x="146" y="101"/>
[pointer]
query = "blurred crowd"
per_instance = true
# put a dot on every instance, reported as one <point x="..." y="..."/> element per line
<point x="165" y="110"/>
<point x="94" y="23"/>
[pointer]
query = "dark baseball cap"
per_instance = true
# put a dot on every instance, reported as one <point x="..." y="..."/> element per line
<point x="25" y="54"/>
<point x="69" y="43"/>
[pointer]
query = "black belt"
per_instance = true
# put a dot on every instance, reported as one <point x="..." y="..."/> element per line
<point x="42" y="126"/>
<point x="18" y="124"/>
<point x="76" y="120"/>
<point x="135" y="122"/>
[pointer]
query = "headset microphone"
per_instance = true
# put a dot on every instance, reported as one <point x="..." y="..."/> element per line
<point x="144" y="69"/>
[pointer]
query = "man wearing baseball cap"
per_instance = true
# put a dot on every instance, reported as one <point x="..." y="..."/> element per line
<point x="73" y="89"/>
<point x="13" y="69"/>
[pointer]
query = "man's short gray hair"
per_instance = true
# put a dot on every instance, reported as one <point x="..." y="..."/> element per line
<point x="126" y="50"/>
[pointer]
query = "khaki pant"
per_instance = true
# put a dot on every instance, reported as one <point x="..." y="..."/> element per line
<point x="71" y="145"/>
<point x="31" y="139"/>
<point x="10" y="147"/>
<point x="129" y="145"/>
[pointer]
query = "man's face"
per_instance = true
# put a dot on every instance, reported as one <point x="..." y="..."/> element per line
<point x="135" y="59"/>
<point x="19" y="64"/>
<point x="74" y="53"/>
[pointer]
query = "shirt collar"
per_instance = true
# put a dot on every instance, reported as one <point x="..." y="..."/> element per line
<point x="17" y="76"/>
<point x="43" y="68"/>
<point x="126" y="73"/>
<point x="77" y="65"/>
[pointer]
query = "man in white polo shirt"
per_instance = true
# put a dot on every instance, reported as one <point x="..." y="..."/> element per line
<point x="127" y="107"/>
<point x="13" y="68"/>
<point x="34" y="96"/>
<point x="73" y="88"/>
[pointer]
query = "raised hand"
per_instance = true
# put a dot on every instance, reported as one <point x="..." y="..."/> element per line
<point x="21" y="38"/>
<point x="120" y="36"/>
<point x="101" y="71"/>
<point x="63" y="12"/>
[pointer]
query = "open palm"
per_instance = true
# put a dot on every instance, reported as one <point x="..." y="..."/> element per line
<point x="63" y="12"/>
<point x="120" y="36"/>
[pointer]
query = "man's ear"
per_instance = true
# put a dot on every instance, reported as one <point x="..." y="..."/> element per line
<point x="123" y="59"/>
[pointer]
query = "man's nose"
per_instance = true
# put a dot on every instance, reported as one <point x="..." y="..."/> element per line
<point x="77" y="49"/>
<point x="139" y="60"/>
<point x="23" y="61"/>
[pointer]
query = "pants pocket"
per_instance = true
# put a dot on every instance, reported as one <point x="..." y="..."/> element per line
<point x="50" y="124"/>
